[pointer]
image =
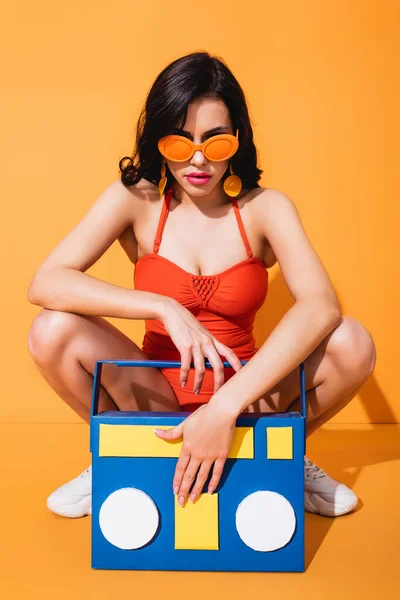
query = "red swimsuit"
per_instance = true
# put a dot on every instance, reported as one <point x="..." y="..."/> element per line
<point x="226" y="304"/>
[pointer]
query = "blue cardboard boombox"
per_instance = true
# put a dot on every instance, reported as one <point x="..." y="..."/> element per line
<point x="254" y="520"/>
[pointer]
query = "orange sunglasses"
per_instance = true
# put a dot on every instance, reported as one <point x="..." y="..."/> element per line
<point x="218" y="147"/>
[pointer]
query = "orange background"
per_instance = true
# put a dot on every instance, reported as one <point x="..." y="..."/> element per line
<point x="321" y="80"/>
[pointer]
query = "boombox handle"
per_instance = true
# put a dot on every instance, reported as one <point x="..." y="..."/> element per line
<point x="171" y="364"/>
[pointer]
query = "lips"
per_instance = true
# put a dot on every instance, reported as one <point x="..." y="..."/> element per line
<point x="197" y="180"/>
<point x="202" y="175"/>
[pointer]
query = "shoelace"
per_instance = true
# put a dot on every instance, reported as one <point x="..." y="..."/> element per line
<point x="312" y="471"/>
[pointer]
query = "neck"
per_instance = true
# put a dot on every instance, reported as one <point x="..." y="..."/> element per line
<point x="215" y="199"/>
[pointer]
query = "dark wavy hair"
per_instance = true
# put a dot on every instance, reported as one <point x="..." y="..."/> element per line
<point x="196" y="75"/>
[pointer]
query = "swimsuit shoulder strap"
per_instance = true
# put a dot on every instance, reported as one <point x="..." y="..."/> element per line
<point x="162" y="220"/>
<point x="164" y="215"/>
<point x="241" y="227"/>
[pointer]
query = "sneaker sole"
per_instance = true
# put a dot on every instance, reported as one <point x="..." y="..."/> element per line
<point x="313" y="503"/>
<point x="74" y="511"/>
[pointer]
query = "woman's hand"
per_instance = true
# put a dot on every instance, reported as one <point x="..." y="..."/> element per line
<point x="207" y="437"/>
<point x="192" y="338"/>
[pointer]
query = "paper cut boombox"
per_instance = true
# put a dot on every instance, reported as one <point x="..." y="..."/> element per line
<point x="254" y="521"/>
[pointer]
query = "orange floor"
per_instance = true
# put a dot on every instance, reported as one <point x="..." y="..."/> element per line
<point x="46" y="556"/>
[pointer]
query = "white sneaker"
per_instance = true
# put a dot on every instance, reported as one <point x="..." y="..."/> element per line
<point x="73" y="499"/>
<point x="324" y="495"/>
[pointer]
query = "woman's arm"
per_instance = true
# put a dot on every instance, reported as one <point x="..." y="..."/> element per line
<point x="314" y="315"/>
<point x="60" y="282"/>
<point x="297" y="334"/>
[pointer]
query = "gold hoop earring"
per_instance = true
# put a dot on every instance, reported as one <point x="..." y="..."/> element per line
<point x="163" y="181"/>
<point x="232" y="184"/>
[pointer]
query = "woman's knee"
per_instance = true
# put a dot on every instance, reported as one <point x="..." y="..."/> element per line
<point x="49" y="330"/>
<point x="352" y="348"/>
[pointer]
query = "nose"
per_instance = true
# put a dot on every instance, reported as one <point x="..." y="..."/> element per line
<point x="198" y="158"/>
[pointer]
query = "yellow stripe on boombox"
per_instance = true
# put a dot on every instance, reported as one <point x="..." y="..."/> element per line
<point x="141" y="441"/>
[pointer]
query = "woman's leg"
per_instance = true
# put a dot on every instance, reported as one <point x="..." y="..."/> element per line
<point x="65" y="348"/>
<point x="334" y="372"/>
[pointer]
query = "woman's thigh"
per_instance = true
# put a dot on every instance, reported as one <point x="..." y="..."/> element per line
<point x="56" y="336"/>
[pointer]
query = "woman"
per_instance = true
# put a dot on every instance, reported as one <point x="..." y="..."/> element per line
<point x="189" y="213"/>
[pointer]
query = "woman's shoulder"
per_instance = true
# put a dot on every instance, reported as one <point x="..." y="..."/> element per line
<point x="261" y="197"/>
<point x="262" y="191"/>
<point x="254" y="199"/>
<point x="141" y="196"/>
<point x="142" y="190"/>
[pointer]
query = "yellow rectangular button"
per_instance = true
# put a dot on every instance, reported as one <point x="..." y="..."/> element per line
<point x="280" y="442"/>
<point x="196" y="525"/>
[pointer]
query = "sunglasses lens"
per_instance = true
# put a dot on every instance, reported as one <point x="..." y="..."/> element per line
<point x="177" y="149"/>
<point x="219" y="149"/>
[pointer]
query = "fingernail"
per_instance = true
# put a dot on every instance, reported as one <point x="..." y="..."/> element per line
<point x="181" y="500"/>
<point x="183" y="383"/>
<point x="192" y="498"/>
<point x="176" y="489"/>
<point x="210" y="490"/>
<point x="197" y="391"/>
